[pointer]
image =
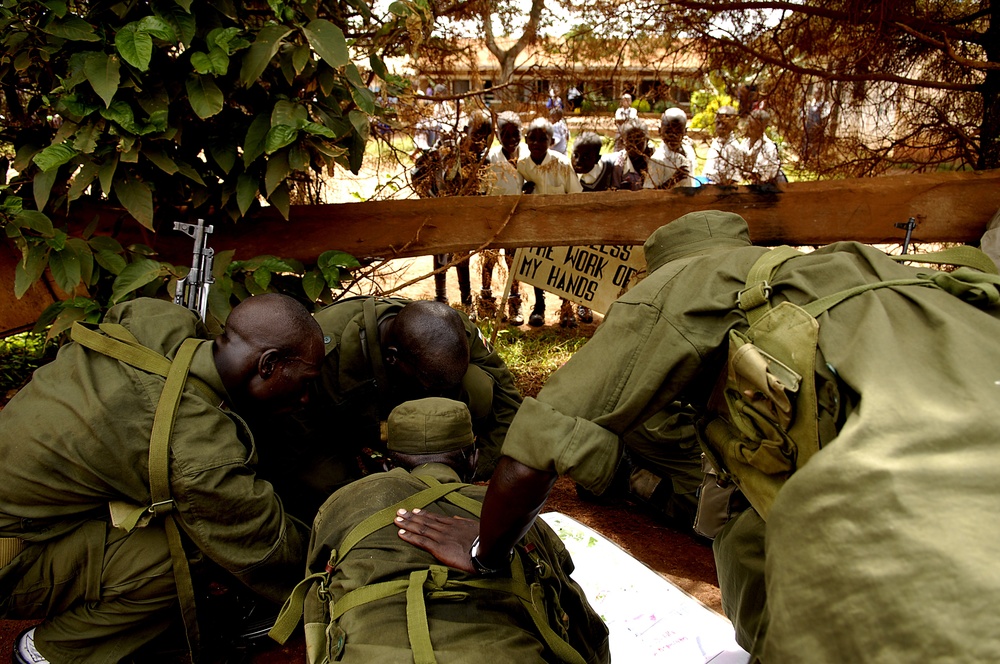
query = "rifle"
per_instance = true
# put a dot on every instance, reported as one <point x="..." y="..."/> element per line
<point x="909" y="226"/>
<point x="192" y="290"/>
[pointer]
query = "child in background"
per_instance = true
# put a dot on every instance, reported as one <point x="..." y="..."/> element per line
<point x="503" y="180"/>
<point x="546" y="171"/>
<point x="560" y="131"/>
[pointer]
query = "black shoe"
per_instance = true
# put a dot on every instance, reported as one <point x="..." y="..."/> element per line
<point x="584" y="314"/>
<point x="536" y="319"/>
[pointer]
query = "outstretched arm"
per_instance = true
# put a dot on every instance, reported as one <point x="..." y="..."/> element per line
<point x="515" y="496"/>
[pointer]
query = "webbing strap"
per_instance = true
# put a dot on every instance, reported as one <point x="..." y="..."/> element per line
<point x="961" y="256"/>
<point x="470" y="505"/>
<point x="118" y="343"/>
<point x="159" y="481"/>
<point x="291" y="611"/>
<point x="755" y="299"/>
<point x="387" y="515"/>
<point x="817" y="307"/>
<point x="417" y="628"/>
<point x="374" y="346"/>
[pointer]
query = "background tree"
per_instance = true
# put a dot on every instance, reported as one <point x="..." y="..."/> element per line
<point x="911" y="85"/>
<point x="175" y="110"/>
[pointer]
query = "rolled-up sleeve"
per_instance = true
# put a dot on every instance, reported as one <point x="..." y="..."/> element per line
<point x="635" y="364"/>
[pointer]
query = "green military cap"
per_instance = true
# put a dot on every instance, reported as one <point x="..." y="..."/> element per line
<point x="692" y="234"/>
<point x="429" y="426"/>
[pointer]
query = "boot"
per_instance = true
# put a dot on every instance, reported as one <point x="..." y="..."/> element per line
<point x="486" y="304"/>
<point x="514" y="307"/>
<point x="566" y="316"/>
<point x="584" y="314"/>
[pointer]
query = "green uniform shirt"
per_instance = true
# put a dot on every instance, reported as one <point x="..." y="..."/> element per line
<point x="77" y="436"/>
<point x="882" y="547"/>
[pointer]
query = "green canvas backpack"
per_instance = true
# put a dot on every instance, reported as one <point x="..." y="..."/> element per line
<point x="776" y="405"/>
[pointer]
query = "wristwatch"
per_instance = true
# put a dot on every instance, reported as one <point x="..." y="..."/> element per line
<point x="481" y="569"/>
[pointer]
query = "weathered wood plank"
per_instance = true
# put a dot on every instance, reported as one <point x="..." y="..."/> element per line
<point x="947" y="207"/>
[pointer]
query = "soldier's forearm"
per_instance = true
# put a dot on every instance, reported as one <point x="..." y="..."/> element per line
<point x="515" y="496"/>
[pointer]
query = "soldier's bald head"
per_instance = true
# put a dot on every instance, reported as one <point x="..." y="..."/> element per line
<point x="427" y="344"/>
<point x="275" y="321"/>
<point x="269" y="352"/>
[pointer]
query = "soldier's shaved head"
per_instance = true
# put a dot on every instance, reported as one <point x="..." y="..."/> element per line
<point x="269" y="353"/>
<point x="427" y="348"/>
<point x="274" y="321"/>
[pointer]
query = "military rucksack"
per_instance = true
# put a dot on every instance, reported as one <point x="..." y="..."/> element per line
<point x="539" y="580"/>
<point x="776" y="403"/>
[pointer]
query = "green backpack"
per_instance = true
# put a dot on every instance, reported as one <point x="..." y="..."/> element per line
<point x="776" y="404"/>
<point x="539" y="579"/>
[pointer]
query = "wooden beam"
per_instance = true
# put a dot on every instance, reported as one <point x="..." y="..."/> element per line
<point x="953" y="207"/>
<point x="947" y="207"/>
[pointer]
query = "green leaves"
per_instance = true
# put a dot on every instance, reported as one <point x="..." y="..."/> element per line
<point x="137" y="198"/>
<point x="278" y="137"/>
<point x="135" y="46"/>
<point x="263" y="102"/>
<point x="135" y="276"/>
<point x="214" y="62"/>
<point x="328" y="40"/>
<point x="101" y="71"/>
<point x="263" y="49"/>
<point x="205" y="96"/>
<point x="72" y="28"/>
<point x="53" y="156"/>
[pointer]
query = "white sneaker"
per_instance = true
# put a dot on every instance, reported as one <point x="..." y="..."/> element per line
<point x="26" y="652"/>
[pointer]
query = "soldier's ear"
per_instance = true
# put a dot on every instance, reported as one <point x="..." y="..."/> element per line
<point x="267" y="363"/>
<point x="391" y="355"/>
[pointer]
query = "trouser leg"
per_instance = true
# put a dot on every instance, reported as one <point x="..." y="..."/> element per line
<point x="739" y="559"/>
<point x="102" y="592"/>
<point x="440" y="278"/>
<point x="489" y="261"/>
<point x="464" y="281"/>
<point x="539" y="300"/>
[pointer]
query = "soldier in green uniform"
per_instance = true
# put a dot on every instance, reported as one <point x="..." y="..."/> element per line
<point x="380" y="353"/>
<point x="880" y="547"/>
<point x="76" y="458"/>
<point x="432" y="443"/>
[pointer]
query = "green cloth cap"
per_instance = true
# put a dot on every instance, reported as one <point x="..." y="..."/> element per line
<point x="430" y="426"/>
<point x="695" y="233"/>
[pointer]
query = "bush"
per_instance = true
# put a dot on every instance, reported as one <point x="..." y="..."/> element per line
<point x="641" y="105"/>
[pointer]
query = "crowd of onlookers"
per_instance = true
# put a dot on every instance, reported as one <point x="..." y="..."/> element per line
<point x="455" y="155"/>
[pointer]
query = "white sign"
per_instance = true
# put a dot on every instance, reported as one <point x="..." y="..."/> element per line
<point x="593" y="275"/>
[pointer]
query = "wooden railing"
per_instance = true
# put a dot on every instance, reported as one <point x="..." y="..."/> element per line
<point x="950" y="207"/>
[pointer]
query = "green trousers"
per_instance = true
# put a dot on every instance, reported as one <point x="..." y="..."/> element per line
<point x="100" y="592"/>
<point x="739" y="561"/>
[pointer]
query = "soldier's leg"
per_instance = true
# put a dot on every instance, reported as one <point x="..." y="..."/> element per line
<point x="102" y="592"/>
<point x="739" y="560"/>
<point x="667" y="464"/>
<point x="489" y="261"/>
<point x="537" y="317"/>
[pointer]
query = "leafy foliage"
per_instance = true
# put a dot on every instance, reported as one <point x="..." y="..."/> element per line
<point x="171" y="109"/>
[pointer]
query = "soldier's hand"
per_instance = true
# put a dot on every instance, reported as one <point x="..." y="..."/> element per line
<point x="448" y="539"/>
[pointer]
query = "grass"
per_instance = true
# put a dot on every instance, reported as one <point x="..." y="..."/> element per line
<point x="533" y="355"/>
<point x="20" y="355"/>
